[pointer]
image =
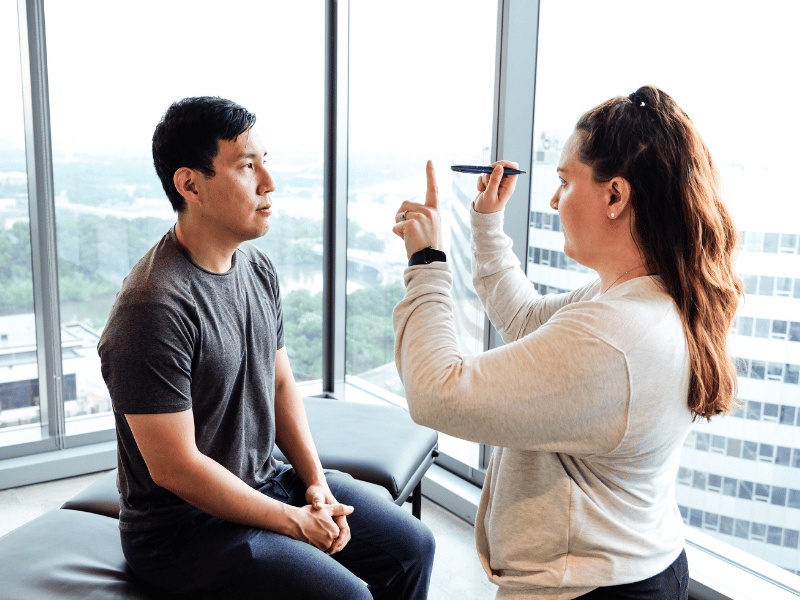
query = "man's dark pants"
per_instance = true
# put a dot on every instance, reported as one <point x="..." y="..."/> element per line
<point x="389" y="550"/>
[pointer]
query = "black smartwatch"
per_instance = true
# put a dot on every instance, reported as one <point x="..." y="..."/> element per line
<point x="426" y="256"/>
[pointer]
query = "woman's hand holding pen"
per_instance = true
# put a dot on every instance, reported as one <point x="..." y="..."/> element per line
<point x="419" y="225"/>
<point x="495" y="189"/>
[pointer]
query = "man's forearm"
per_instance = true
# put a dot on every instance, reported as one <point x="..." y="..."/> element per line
<point x="292" y="433"/>
<point x="204" y="483"/>
<point x="293" y="437"/>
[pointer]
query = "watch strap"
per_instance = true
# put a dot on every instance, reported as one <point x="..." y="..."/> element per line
<point x="426" y="256"/>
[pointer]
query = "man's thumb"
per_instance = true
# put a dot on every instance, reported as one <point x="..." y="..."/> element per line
<point x="341" y="510"/>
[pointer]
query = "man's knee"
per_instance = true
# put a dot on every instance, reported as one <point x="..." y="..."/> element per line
<point x="423" y="542"/>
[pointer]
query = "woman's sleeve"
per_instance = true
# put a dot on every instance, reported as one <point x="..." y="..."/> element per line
<point x="559" y="389"/>
<point x="514" y="306"/>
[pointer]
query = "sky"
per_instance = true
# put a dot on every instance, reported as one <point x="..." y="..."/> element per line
<point x="421" y="72"/>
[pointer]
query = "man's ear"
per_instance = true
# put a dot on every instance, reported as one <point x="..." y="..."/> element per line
<point x="185" y="180"/>
<point x="619" y="196"/>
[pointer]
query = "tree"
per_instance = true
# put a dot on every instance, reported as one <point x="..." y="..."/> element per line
<point x="370" y="333"/>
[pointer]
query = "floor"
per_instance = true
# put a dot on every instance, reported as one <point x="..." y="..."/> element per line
<point x="457" y="572"/>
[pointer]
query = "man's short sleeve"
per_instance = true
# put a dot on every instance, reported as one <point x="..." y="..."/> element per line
<point x="146" y="358"/>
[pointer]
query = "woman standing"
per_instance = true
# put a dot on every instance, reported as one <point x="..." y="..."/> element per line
<point x="591" y="398"/>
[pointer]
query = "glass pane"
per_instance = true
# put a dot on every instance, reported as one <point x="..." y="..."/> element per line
<point x="395" y="127"/>
<point x="574" y="77"/>
<point x="19" y="374"/>
<point x="110" y="205"/>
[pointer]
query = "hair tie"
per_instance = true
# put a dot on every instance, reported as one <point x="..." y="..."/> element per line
<point x="637" y="99"/>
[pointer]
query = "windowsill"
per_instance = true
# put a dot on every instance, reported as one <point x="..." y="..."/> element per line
<point x="720" y="571"/>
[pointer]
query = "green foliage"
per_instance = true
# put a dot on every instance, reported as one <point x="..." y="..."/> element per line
<point x="370" y="335"/>
<point x="16" y="280"/>
<point x="291" y="240"/>
<point x="95" y="254"/>
<point x="302" y="328"/>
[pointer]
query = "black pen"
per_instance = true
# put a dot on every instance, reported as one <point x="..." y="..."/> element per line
<point x="473" y="169"/>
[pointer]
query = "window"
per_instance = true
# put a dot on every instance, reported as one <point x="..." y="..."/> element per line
<point x="766" y="452"/>
<point x="779" y="329"/>
<point x="762" y="328"/>
<point x="750" y="283"/>
<point x="684" y="476"/>
<point x="19" y="373"/>
<point x="770" y="412"/>
<point x="734" y="447"/>
<point x="119" y="75"/>
<point x="774" y="535"/>
<point x="762" y="492"/>
<point x="790" y="538"/>
<point x="768" y="258"/>
<point x="783" y="287"/>
<point x="393" y="130"/>
<point x="749" y="450"/>
<point x="726" y="525"/>
<point x="778" y="495"/>
<point x="110" y="205"/>
<point x="771" y="242"/>
<point x="782" y="455"/>
<point x="788" y="243"/>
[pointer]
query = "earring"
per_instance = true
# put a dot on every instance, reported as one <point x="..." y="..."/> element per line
<point x="612" y="215"/>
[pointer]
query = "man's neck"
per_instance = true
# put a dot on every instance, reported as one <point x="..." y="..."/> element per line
<point x="204" y="248"/>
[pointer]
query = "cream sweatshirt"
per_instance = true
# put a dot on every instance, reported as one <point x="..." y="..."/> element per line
<point x="586" y="405"/>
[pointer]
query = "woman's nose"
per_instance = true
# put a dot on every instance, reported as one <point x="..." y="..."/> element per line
<point x="554" y="201"/>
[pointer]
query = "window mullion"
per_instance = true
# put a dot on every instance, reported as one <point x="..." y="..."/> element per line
<point x="512" y="134"/>
<point x="41" y="199"/>
<point x="334" y="286"/>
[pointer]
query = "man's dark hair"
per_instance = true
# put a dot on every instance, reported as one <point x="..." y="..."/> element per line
<point x="188" y="136"/>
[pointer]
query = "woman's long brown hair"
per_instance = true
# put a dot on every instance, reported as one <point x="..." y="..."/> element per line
<point x="680" y="223"/>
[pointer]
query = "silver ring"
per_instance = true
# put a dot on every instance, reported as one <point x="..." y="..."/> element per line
<point x="402" y="215"/>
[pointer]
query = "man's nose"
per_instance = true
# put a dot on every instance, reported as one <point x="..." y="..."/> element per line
<point x="266" y="183"/>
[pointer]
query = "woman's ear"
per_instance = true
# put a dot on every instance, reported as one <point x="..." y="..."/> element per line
<point x="619" y="195"/>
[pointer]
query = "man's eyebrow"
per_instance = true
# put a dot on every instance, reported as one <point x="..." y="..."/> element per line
<point x="249" y="155"/>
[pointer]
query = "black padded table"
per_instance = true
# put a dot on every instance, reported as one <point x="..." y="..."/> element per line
<point x="74" y="552"/>
<point x="66" y="555"/>
<point x="376" y="443"/>
<point x="379" y="444"/>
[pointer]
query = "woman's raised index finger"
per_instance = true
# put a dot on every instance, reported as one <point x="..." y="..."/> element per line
<point x="432" y="195"/>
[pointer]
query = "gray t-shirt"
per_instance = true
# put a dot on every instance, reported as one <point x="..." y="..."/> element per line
<point x="181" y="337"/>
